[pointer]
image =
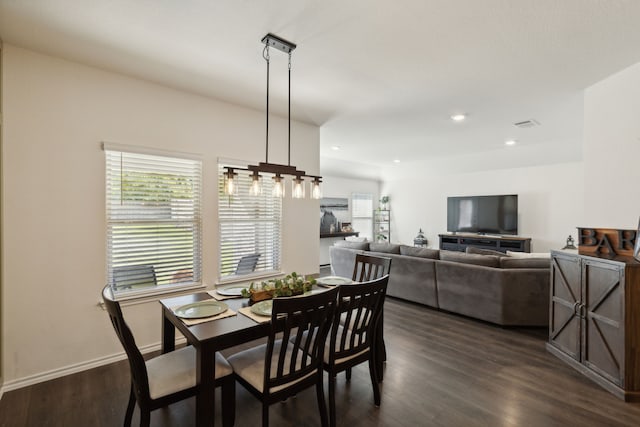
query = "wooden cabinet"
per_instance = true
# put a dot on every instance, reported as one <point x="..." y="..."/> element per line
<point x="459" y="242"/>
<point x="382" y="225"/>
<point x="594" y="322"/>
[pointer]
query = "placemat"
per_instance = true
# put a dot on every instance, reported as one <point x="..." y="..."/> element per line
<point x="251" y="315"/>
<point x="191" y="322"/>
<point x="219" y="297"/>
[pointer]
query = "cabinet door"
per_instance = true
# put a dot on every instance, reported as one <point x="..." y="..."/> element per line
<point x="564" y="321"/>
<point x="603" y="319"/>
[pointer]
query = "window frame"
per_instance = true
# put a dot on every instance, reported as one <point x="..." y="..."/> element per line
<point x="272" y="255"/>
<point x="194" y="225"/>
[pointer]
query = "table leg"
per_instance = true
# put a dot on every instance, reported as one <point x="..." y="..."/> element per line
<point x="380" y="349"/>
<point x="205" y="376"/>
<point x="168" y="334"/>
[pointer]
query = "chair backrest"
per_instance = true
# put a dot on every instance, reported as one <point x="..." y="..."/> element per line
<point x="136" y="361"/>
<point x="247" y="264"/>
<point x="369" y="267"/>
<point x="303" y="323"/>
<point x="360" y="307"/>
<point x="134" y="275"/>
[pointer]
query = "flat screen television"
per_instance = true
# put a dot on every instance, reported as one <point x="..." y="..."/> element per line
<point x="483" y="214"/>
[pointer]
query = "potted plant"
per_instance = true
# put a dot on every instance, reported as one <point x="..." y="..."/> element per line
<point x="384" y="200"/>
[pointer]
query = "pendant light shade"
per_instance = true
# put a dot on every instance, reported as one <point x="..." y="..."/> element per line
<point x="230" y="187"/>
<point x="256" y="184"/>
<point x="297" y="188"/>
<point x="278" y="186"/>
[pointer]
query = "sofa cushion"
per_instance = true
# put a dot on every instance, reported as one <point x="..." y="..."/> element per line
<point x="419" y="252"/>
<point x="529" y="254"/>
<point x="512" y="262"/>
<point x="363" y="246"/>
<point x="480" y="251"/>
<point x="387" y="248"/>
<point x="475" y="259"/>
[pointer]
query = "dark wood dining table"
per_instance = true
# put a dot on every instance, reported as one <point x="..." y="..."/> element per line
<point x="208" y="338"/>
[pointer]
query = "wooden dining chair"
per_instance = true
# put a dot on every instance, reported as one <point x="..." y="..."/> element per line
<point x="291" y="360"/>
<point x="370" y="267"/>
<point x="353" y="335"/>
<point x="168" y="378"/>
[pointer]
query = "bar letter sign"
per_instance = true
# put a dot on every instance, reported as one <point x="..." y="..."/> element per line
<point x="606" y="241"/>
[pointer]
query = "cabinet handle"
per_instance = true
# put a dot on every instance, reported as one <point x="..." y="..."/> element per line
<point x="576" y="308"/>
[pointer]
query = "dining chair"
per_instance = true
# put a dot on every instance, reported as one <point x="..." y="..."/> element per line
<point x="353" y="336"/>
<point x="125" y="277"/>
<point x="370" y="267"/>
<point x="247" y="264"/>
<point x="168" y="378"/>
<point x="291" y="360"/>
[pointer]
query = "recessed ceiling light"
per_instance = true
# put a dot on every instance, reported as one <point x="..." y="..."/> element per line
<point x="458" y="117"/>
<point x="510" y="142"/>
<point x="335" y="148"/>
<point x="396" y="161"/>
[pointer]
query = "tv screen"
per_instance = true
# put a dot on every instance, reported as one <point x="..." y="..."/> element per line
<point x="483" y="214"/>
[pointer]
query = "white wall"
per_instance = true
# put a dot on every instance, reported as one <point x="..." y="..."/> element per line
<point x="56" y="113"/>
<point x="612" y="151"/>
<point x="549" y="199"/>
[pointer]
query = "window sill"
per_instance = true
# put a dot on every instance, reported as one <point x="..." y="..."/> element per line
<point x="245" y="278"/>
<point x="142" y="297"/>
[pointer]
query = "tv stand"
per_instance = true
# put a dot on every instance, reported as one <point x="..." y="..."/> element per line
<point x="459" y="242"/>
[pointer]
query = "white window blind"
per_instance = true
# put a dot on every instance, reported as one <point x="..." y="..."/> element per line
<point x="362" y="214"/>
<point x="154" y="231"/>
<point x="250" y="228"/>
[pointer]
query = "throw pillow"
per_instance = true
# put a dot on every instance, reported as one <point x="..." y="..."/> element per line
<point x="363" y="246"/>
<point x="475" y="259"/>
<point x="529" y="255"/>
<point x="387" y="248"/>
<point x="512" y="262"/>
<point x="480" y="251"/>
<point x="419" y="252"/>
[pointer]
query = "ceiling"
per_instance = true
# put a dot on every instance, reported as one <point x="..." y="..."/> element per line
<point x="380" y="78"/>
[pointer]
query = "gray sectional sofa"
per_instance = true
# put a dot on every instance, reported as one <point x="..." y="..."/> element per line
<point x="485" y="285"/>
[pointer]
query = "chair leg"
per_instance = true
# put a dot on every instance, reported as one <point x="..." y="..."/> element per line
<point x="265" y="415"/>
<point x="322" y="404"/>
<point x="229" y="401"/>
<point x="374" y="380"/>
<point x="130" y="407"/>
<point x="332" y="399"/>
<point x="347" y="373"/>
<point x="145" y="418"/>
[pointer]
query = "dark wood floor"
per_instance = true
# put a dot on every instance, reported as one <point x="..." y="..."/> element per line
<point x="442" y="370"/>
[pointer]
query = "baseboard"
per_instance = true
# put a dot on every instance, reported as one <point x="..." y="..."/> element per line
<point x="75" y="368"/>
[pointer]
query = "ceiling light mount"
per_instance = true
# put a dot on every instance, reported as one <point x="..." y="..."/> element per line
<point x="281" y="44"/>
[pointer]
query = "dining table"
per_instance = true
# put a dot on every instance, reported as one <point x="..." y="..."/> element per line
<point x="218" y="334"/>
<point x="208" y="338"/>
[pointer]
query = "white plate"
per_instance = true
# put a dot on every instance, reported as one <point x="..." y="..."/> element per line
<point x="333" y="281"/>
<point x="235" y="291"/>
<point x="262" y="308"/>
<point x="198" y="310"/>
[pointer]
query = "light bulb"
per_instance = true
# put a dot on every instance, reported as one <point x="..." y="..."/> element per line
<point x="229" y="182"/>
<point x="278" y="186"/>
<point x="297" y="188"/>
<point x="316" y="192"/>
<point x="256" y="185"/>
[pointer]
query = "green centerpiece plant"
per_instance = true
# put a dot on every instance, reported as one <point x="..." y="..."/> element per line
<point x="290" y="285"/>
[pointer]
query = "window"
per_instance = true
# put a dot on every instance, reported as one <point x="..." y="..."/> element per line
<point x="250" y="228"/>
<point x="153" y="221"/>
<point x="362" y="214"/>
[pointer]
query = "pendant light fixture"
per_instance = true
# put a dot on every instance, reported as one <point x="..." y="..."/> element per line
<point x="278" y="171"/>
